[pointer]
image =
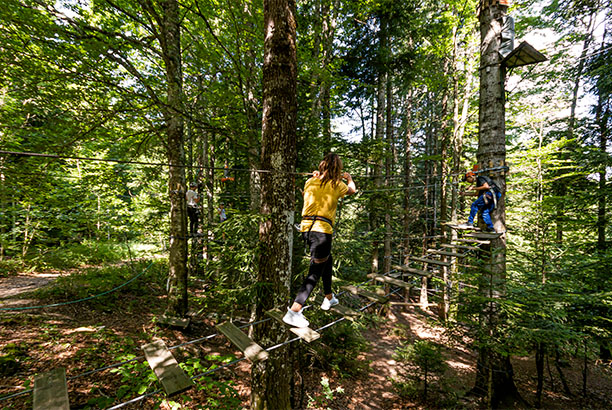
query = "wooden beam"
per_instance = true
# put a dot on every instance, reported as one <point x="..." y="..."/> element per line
<point x="166" y="368"/>
<point x="461" y="228"/>
<point x="181" y="323"/>
<point x="51" y="391"/>
<point x="305" y="333"/>
<point x="365" y="293"/>
<point x="251" y="350"/>
<point x="482" y="235"/>
<point x="391" y="281"/>
<point x="413" y="271"/>
<point x="429" y="261"/>
<point x="446" y="253"/>
<point x="473" y="240"/>
<point x="464" y="247"/>
<point x="412" y="304"/>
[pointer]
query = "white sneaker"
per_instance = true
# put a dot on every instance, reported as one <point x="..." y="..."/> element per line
<point x="327" y="303"/>
<point x="465" y="226"/>
<point x="295" y="319"/>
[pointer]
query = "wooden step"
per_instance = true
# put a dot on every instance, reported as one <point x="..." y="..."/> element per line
<point x="482" y="235"/>
<point x="166" y="368"/>
<point x="365" y="293"/>
<point x="472" y="240"/>
<point x="391" y="281"/>
<point x="51" y="391"/>
<point x="464" y="247"/>
<point x="305" y="333"/>
<point x="430" y="261"/>
<point x="251" y="350"/>
<point x="178" y="322"/>
<point x="461" y="228"/>
<point x="414" y="271"/>
<point x="342" y="310"/>
<point x="446" y="253"/>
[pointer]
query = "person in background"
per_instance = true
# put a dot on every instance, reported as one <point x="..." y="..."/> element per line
<point x="321" y="195"/>
<point x="488" y="194"/>
<point x="222" y="214"/>
<point x="192" y="208"/>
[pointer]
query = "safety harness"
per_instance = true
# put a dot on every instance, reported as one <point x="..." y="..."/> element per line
<point x="314" y="218"/>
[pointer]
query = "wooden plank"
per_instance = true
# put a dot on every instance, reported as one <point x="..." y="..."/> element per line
<point x="464" y="247"/>
<point x="251" y="350"/>
<point x="411" y="304"/>
<point x="50" y="391"/>
<point x="365" y="293"/>
<point x="430" y="261"/>
<point x="166" y="368"/>
<point x="446" y="253"/>
<point x="305" y="333"/>
<point x="472" y="240"/>
<point x="482" y="235"/>
<point x="391" y="281"/>
<point x="461" y="228"/>
<point x="342" y="310"/>
<point x="172" y="321"/>
<point x="414" y="271"/>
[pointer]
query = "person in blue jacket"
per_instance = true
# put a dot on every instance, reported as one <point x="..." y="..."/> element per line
<point x="487" y="193"/>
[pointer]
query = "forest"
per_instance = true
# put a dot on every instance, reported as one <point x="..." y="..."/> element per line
<point x="154" y="162"/>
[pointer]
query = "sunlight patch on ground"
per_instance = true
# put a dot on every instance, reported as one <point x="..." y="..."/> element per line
<point x="459" y="365"/>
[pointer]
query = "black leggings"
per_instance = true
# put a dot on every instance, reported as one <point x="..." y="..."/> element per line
<point x="320" y="247"/>
<point x="192" y="213"/>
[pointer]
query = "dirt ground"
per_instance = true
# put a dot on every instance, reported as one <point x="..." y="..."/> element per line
<point x="62" y="337"/>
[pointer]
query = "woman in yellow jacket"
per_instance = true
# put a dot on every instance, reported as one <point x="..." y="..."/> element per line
<point x="321" y="195"/>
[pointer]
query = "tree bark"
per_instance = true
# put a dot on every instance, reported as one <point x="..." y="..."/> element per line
<point x="494" y="371"/>
<point x="170" y="40"/>
<point x="271" y="379"/>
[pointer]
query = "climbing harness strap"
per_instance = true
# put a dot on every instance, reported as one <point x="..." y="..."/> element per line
<point x="314" y="218"/>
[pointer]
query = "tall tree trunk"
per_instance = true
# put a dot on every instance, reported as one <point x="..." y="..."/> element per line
<point x="389" y="157"/>
<point x="560" y="185"/>
<point x="171" y="51"/>
<point x="407" y="216"/>
<point x="494" y="370"/>
<point x="271" y="379"/>
<point x="381" y="93"/>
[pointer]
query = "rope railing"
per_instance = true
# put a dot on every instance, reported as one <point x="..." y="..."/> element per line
<point x="137" y="358"/>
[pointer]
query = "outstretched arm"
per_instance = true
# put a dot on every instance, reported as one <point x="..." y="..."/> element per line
<point x="351" y="184"/>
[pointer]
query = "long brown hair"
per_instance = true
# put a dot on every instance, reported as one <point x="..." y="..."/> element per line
<point x="331" y="169"/>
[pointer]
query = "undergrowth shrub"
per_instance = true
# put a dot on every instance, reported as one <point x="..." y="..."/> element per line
<point x="340" y="348"/>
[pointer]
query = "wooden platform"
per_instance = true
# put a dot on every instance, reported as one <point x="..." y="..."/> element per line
<point x="51" y="391"/>
<point x="414" y="271"/>
<point x="305" y="333"/>
<point x="166" y="368"/>
<point x="365" y="293"/>
<point x="178" y="322"/>
<point x="482" y="235"/>
<point x="464" y="247"/>
<point x="391" y="281"/>
<point x="430" y="261"/>
<point x="251" y="350"/>
<point x="446" y="253"/>
<point x="461" y="228"/>
<point x="472" y="240"/>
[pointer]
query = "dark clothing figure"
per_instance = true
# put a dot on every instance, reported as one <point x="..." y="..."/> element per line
<point x="486" y="201"/>
<point x="320" y="248"/>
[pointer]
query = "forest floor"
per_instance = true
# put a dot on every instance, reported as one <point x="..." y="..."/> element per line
<point x="83" y="336"/>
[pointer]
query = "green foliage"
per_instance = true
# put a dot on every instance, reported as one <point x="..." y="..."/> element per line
<point x="340" y="349"/>
<point x="326" y="398"/>
<point x="94" y="281"/>
<point x="425" y="355"/>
